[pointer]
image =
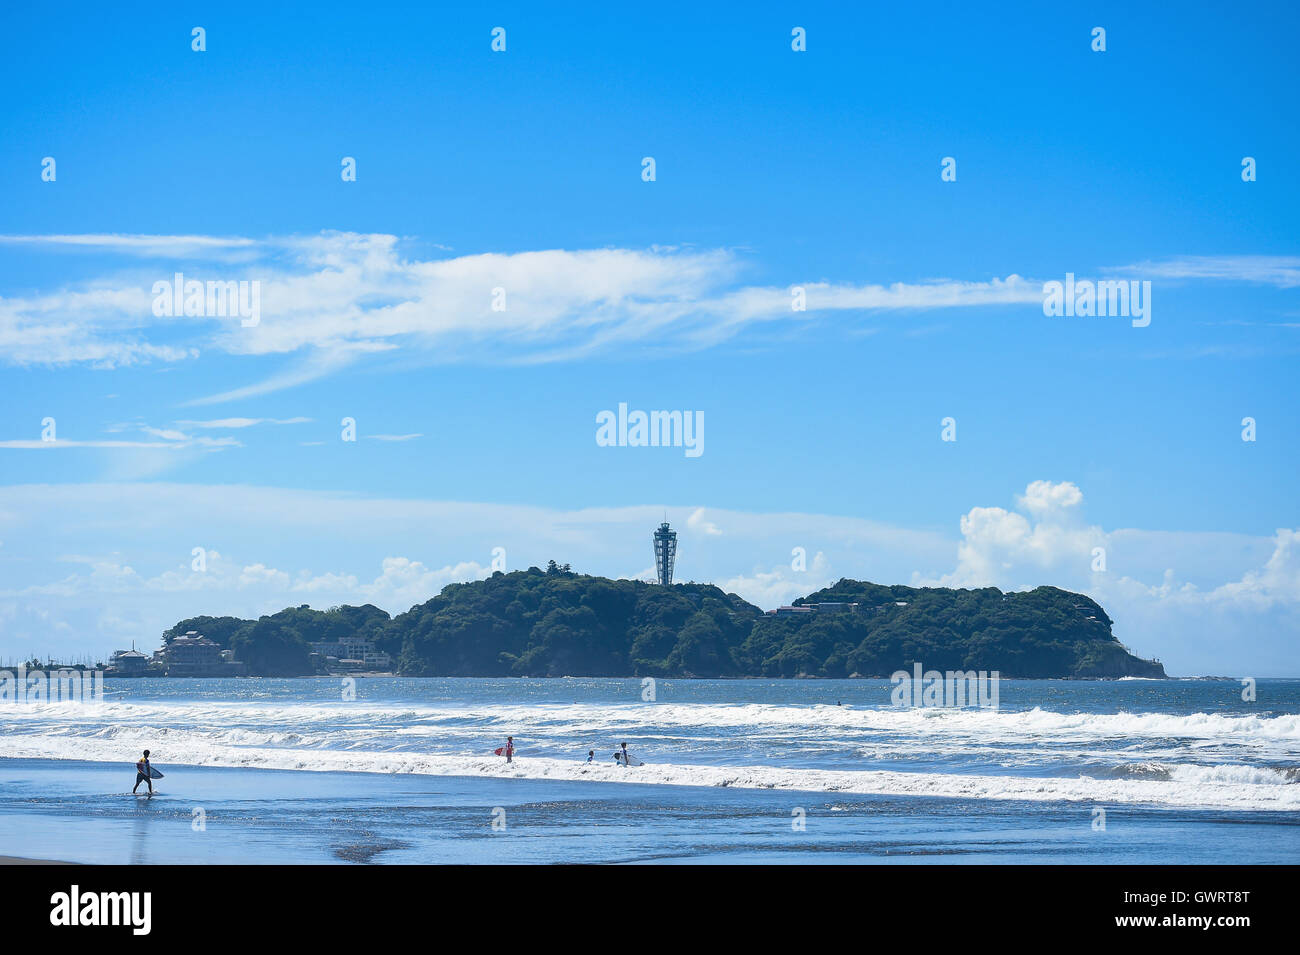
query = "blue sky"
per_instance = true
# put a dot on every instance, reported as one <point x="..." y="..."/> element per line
<point x="522" y="170"/>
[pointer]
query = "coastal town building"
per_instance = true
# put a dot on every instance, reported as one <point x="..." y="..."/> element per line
<point x="192" y="654"/>
<point x="127" y="663"/>
<point x="827" y="607"/>
<point x="352" y="653"/>
<point x="789" y="611"/>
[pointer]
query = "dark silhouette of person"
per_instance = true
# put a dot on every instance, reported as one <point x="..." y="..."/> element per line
<point x="142" y="774"/>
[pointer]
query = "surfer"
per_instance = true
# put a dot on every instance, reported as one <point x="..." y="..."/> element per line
<point x="142" y="774"/>
<point x="623" y="754"/>
<point x="510" y="749"/>
<point x="591" y="755"/>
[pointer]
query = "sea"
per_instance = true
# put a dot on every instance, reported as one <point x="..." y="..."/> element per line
<point x="401" y="771"/>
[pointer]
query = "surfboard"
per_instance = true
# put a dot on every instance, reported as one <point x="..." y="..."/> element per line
<point x="154" y="774"/>
<point x="631" y="760"/>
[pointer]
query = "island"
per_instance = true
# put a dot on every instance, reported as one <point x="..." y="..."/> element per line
<point x="555" y="622"/>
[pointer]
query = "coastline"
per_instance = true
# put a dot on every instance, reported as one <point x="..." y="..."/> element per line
<point x="79" y="810"/>
<point x="388" y="674"/>
<point x="16" y="860"/>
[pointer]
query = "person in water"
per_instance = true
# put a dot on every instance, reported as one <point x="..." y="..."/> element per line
<point x="509" y="751"/>
<point x="591" y="755"/>
<point x="623" y="754"/>
<point x="142" y="774"/>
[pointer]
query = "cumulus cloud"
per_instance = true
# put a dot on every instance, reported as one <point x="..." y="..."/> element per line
<point x="781" y="584"/>
<point x="1246" y="623"/>
<point x="1050" y="543"/>
<point x="409" y="582"/>
<point x="1279" y="579"/>
<point x="697" y="522"/>
<point x="1051" y="501"/>
<point x="1203" y="602"/>
<point x="1013" y="550"/>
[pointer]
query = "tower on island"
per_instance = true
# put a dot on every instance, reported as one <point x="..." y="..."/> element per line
<point x="665" y="553"/>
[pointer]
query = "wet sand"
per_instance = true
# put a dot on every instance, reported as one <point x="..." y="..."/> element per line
<point x="14" y="860"/>
<point x="210" y="815"/>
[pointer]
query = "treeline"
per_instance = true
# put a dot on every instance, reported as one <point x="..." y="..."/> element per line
<point x="279" y="644"/>
<point x="1041" y="633"/>
<point x="558" y="623"/>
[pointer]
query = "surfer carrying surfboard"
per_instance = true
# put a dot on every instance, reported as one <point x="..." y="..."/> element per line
<point x="143" y="774"/>
<point x="508" y="750"/>
<point x="624" y="758"/>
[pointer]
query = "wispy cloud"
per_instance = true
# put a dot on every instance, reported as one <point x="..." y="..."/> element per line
<point x="184" y="442"/>
<point x="151" y="246"/>
<point x="1282" y="271"/>
<point x="235" y="423"/>
<point x="328" y="300"/>
<point x="331" y="299"/>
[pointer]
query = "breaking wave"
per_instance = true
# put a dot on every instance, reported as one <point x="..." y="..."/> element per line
<point x="1207" y="760"/>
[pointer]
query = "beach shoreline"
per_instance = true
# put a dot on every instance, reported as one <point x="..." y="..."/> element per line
<point x="17" y="860"/>
<point x="83" y="812"/>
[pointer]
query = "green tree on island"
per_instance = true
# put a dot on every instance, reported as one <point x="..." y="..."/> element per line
<point x="559" y="623"/>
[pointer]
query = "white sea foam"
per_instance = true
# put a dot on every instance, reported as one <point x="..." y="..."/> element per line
<point x="1218" y="787"/>
<point x="583" y="718"/>
<point x="1167" y="760"/>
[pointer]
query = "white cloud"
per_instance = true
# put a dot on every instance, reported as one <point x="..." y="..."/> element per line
<point x="168" y="440"/>
<point x="698" y="523"/>
<point x="1279" y="579"/>
<point x="1046" y="500"/>
<point x="234" y="423"/>
<point x="1282" y="271"/>
<point x="330" y="299"/>
<point x="408" y="582"/>
<point x="1010" y="550"/>
<point x="258" y="574"/>
<point x="1053" y="545"/>
<point x="1203" y="602"/>
<point x="159" y="246"/>
<point x="782" y="584"/>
